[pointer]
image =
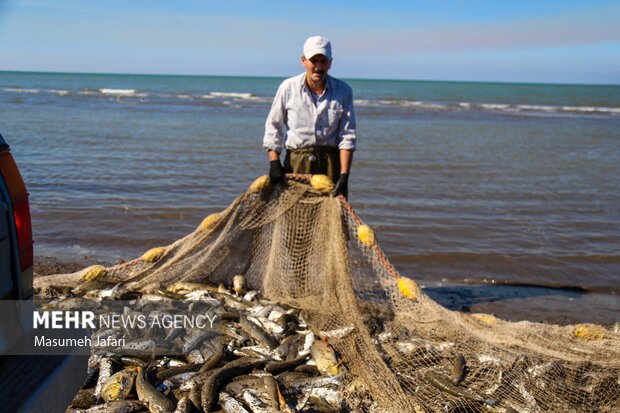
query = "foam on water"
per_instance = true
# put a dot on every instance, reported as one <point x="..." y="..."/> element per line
<point x="538" y="107"/>
<point x="117" y="91"/>
<point x="19" y="90"/>
<point x="225" y="98"/>
<point x="239" y="95"/>
<point x="493" y="107"/>
<point x="88" y="92"/>
<point x="60" y="92"/>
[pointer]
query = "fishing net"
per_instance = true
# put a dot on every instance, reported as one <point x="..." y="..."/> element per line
<point x="307" y="249"/>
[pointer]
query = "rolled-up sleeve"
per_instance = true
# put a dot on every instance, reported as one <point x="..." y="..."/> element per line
<point x="346" y="131"/>
<point x="275" y="126"/>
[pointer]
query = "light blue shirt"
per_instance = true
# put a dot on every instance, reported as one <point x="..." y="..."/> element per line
<point x="295" y="121"/>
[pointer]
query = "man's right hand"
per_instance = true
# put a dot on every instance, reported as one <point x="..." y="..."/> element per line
<point x="276" y="172"/>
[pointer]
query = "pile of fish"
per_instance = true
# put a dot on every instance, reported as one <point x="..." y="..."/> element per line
<point x="267" y="359"/>
<point x="264" y="357"/>
<point x="445" y="380"/>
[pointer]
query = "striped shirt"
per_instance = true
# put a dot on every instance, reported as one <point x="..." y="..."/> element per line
<point x="298" y="121"/>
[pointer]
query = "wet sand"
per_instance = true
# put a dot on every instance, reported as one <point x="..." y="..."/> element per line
<point x="51" y="265"/>
<point x="531" y="303"/>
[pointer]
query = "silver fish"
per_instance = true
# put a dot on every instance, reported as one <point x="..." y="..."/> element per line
<point x="181" y="378"/>
<point x="289" y="345"/>
<point x="110" y="292"/>
<point x="337" y="333"/>
<point x="105" y="371"/>
<point x="212" y="385"/>
<point x="183" y="406"/>
<point x="230" y="405"/>
<point x="296" y="382"/>
<point x="231" y="301"/>
<point x="195" y="356"/>
<point x="271" y="385"/>
<point x="195" y="339"/>
<point x="243" y="383"/>
<point x="204" y="297"/>
<point x="308" y="342"/>
<point x="170" y="362"/>
<point x="271" y="326"/>
<point x="258" y="333"/>
<point x="250" y="295"/>
<point x="248" y="352"/>
<point x="323" y="399"/>
<point x="445" y="385"/>
<point x="254" y="402"/>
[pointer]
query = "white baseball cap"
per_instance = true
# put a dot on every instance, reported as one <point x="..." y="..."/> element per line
<point x="317" y="45"/>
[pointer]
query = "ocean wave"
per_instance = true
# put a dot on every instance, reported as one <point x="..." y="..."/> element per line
<point x="425" y="105"/>
<point x="591" y="109"/>
<point x="238" y="95"/>
<point x="20" y="90"/>
<point x="225" y="98"/>
<point x="60" y="92"/>
<point x="493" y="107"/>
<point x="88" y="92"/>
<point x="542" y="108"/>
<point x="123" y="92"/>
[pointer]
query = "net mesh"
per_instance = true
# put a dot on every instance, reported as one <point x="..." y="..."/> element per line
<point x="301" y="247"/>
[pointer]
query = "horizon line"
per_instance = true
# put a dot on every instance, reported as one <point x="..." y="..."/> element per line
<point x="284" y="77"/>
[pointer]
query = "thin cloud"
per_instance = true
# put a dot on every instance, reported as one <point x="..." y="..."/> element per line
<point x="564" y="30"/>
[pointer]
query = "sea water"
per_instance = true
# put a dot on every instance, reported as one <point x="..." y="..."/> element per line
<point x="468" y="186"/>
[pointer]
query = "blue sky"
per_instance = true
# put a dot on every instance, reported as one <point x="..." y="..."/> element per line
<point x="500" y="40"/>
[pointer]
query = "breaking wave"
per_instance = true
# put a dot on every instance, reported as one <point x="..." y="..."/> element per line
<point x="491" y="107"/>
<point x="124" y="92"/>
<point x="231" y="95"/>
<point x="226" y="97"/>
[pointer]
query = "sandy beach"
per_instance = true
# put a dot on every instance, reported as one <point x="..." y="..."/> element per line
<point x="44" y="265"/>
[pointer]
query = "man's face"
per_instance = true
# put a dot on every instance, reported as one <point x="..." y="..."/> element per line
<point x="316" y="67"/>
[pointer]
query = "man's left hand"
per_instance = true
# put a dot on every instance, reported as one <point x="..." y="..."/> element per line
<point x="342" y="186"/>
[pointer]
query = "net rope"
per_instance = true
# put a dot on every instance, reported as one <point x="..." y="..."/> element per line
<point x="301" y="247"/>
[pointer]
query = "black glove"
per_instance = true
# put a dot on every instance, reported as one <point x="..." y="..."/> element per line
<point x="342" y="186"/>
<point x="276" y="172"/>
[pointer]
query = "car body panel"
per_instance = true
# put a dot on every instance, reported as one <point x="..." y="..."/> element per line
<point x="27" y="383"/>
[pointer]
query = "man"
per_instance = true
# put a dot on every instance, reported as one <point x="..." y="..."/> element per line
<point x="312" y="118"/>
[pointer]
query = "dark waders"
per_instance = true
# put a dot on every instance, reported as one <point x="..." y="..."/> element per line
<point x="316" y="160"/>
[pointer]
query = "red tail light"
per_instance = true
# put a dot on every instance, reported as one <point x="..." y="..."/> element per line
<point x="21" y="213"/>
